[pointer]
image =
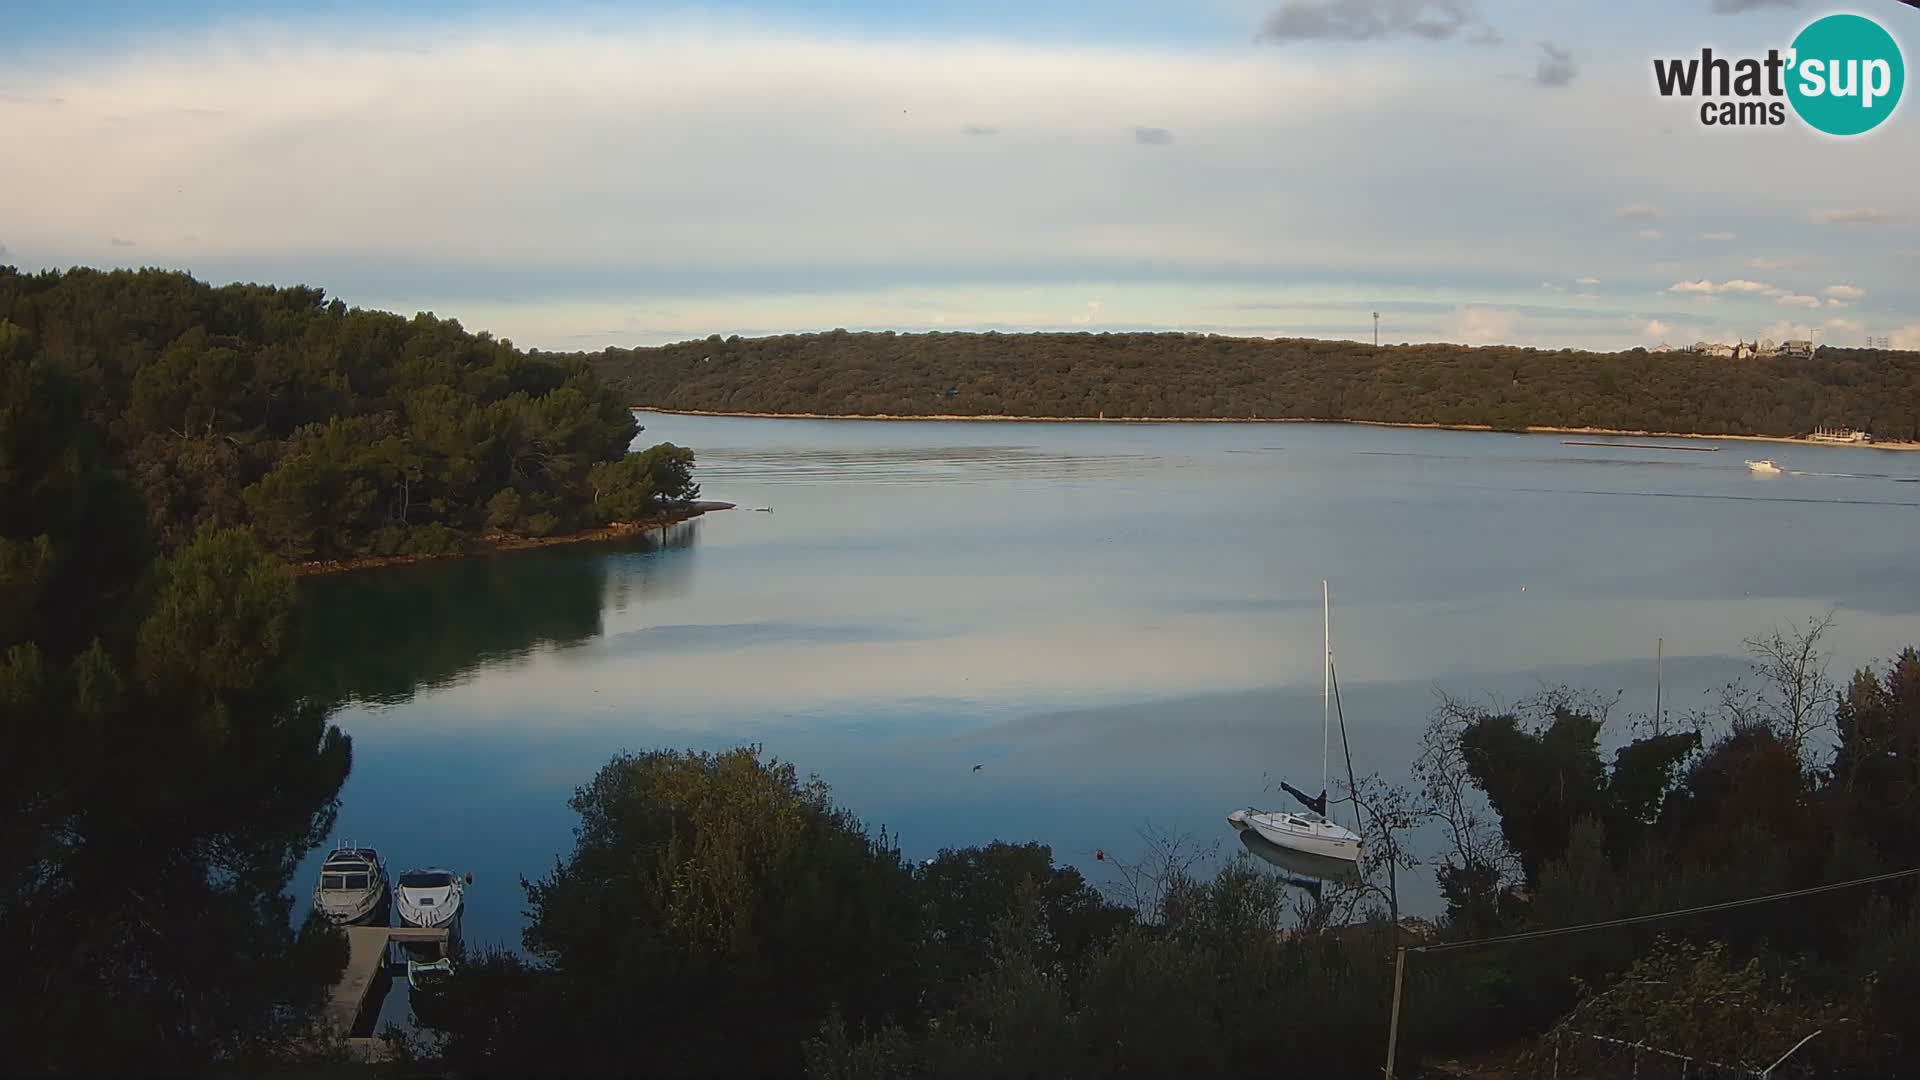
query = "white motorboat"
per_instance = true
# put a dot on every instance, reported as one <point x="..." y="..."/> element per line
<point x="1763" y="465"/>
<point x="353" y="885"/>
<point x="429" y="898"/>
<point x="1310" y="832"/>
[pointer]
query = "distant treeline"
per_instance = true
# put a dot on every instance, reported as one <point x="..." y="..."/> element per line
<point x="1196" y="375"/>
<point x="331" y="432"/>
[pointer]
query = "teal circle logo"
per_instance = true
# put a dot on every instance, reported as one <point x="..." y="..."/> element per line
<point x="1846" y="74"/>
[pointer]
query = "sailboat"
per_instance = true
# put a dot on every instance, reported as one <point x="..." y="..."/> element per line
<point x="1309" y="832"/>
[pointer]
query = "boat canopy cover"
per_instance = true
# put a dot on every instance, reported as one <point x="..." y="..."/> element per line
<point x="425" y="879"/>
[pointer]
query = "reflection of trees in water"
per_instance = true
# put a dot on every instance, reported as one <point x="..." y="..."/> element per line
<point x="381" y="637"/>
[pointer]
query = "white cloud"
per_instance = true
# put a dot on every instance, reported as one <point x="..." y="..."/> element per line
<point x="1907" y="337"/>
<point x="1788" y="299"/>
<point x="1368" y="20"/>
<point x="1831" y="302"/>
<point x="1845" y="292"/>
<point x="1650" y="234"/>
<point x="1657" y="329"/>
<point x="1858" y="216"/>
<point x="1734" y="286"/>
<point x="1719" y="236"/>
<point x="1640" y="212"/>
<point x="1586" y="281"/>
<point x="1483" y="325"/>
<point x="1785" y="330"/>
<point x="1842" y="326"/>
<point x="1763" y="263"/>
<point x="1093" y="311"/>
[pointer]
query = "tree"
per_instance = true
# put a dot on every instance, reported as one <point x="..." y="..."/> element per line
<point x="704" y="888"/>
<point x="159" y="780"/>
<point x="1876" y="763"/>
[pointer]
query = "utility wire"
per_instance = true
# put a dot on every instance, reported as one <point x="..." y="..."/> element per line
<point x="1630" y="920"/>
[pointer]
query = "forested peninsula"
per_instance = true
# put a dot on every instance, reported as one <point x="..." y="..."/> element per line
<point x="1207" y="376"/>
<point x="336" y="435"/>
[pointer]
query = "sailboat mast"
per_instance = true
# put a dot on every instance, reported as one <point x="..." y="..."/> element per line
<point x="1326" y="679"/>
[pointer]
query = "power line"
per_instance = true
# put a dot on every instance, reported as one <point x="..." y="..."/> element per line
<point x="1400" y="954"/>
<point x="1630" y="920"/>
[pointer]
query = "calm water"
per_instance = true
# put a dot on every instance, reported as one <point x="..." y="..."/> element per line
<point x="1119" y="623"/>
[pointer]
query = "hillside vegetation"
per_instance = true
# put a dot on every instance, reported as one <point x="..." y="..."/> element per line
<point x="1193" y="375"/>
<point x="331" y="432"/>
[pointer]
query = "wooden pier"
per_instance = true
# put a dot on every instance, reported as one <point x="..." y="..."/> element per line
<point x="369" y="969"/>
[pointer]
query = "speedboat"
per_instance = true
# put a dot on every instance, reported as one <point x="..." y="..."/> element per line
<point x="1763" y="465"/>
<point x="429" y="898"/>
<point x="1302" y="831"/>
<point x="353" y="885"/>
<point x="423" y="976"/>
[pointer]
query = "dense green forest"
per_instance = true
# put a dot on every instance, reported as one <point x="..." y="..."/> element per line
<point x="1206" y="375"/>
<point x="330" y="432"/>
<point x="719" y="916"/>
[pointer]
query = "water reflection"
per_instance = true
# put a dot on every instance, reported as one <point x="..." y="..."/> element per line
<point x="1300" y="869"/>
<point x="383" y="637"/>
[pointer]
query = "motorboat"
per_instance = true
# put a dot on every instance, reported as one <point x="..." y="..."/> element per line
<point x="1763" y="465"/>
<point x="425" y="976"/>
<point x="429" y="898"/>
<point x="352" y="889"/>
<point x="1309" y="831"/>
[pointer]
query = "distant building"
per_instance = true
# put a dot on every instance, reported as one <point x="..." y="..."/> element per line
<point x="1714" y="348"/>
<point x="1797" y="347"/>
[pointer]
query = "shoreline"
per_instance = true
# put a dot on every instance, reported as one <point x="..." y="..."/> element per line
<point x="620" y="530"/>
<point x="1531" y="429"/>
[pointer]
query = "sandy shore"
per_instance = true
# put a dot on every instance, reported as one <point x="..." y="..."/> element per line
<point x="1529" y="430"/>
<point x="621" y="530"/>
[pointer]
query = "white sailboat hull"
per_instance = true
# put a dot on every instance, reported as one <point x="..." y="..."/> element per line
<point x="1295" y="833"/>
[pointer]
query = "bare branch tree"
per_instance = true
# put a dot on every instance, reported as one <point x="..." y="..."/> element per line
<point x="1795" y="698"/>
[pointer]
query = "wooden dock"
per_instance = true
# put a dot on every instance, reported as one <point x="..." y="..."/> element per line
<point x="369" y="960"/>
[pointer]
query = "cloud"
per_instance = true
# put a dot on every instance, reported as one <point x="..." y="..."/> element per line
<point x="1842" y="326"/>
<point x="118" y="242"/>
<point x="979" y="129"/>
<point x="1152" y="136"/>
<point x="1650" y="234"/>
<point x="1907" y="337"/>
<point x="1639" y="212"/>
<point x="1483" y="325"/>
<point x="1787" y="330"/>
<point x="1586" y="281"/>
<point x="1093" y="311"/>
<point x="1760" y="263"/>
<point x="1845" y="292"/>
<point x="1735" y="7"/>
<point x="1370" y="20"/>
<point x="1657" y="329"/>
<point x="1858" y="216"/>
<point x="1717" y="236"/>
<point x="1556" y="67"/>
<point x="1789" y="299"/>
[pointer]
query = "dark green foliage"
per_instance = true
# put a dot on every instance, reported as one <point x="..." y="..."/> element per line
<point x="158" y="777"/>
<point x="1876" y="770"/>
<point x="714" y="912"/>
<point x="1204" y="375"/>
<point x="332" y="432"/>
<point x="1542" y="779"/>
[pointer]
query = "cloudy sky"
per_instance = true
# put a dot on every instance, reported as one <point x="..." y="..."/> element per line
<point x="1475" y="170"/>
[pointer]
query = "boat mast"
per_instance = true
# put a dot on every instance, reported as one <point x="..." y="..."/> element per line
<point x="1326" y="679"/>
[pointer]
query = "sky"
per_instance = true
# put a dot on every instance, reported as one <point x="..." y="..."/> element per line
<point x="574" y="176"/>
